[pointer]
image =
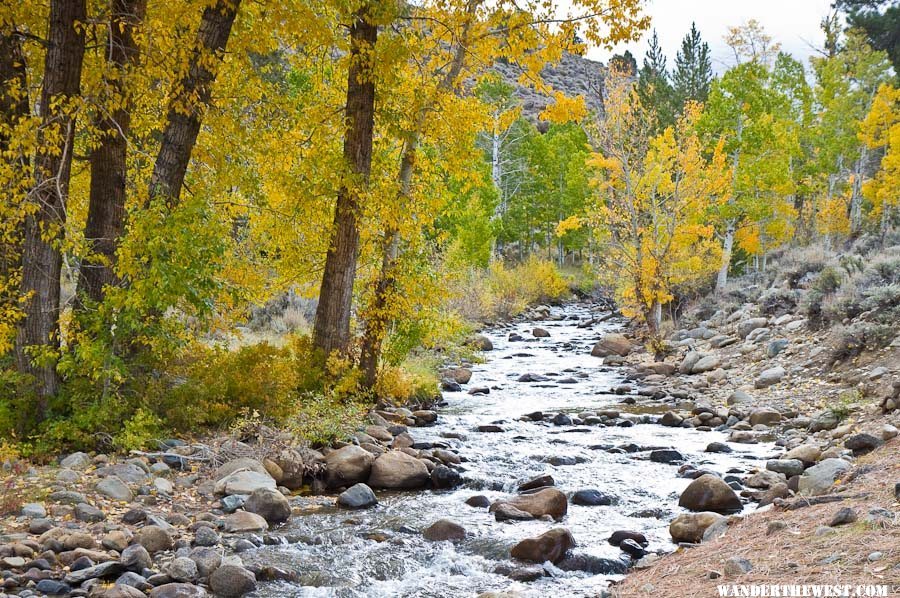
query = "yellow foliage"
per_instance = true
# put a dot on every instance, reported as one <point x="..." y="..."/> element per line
<point x="564" y="109"/>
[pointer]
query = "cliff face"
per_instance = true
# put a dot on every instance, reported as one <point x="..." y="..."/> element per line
<point x="573" y="75"/>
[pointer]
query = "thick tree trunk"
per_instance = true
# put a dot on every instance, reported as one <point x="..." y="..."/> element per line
<point x="331" y="331"/>
<point x="106" y="208"/>
<point x="727" y="246"/>
<point x="37" y="338"/>
<point x="856" y="194"/>
<point x="13" y="107"/>
<point x="191" y="96"/>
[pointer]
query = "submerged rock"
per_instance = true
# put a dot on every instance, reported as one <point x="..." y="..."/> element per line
<point x="550" y="546"/>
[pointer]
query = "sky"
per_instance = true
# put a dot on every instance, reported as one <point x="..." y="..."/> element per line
<point x="793" y="23"/>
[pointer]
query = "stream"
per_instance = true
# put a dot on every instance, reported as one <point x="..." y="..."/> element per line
<point x="380" y="551"/>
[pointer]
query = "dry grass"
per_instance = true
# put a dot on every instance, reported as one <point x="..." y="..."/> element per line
<point x="794" y="555"/>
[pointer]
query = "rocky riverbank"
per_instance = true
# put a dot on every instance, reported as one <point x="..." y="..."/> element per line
<point x="548" y="470"/>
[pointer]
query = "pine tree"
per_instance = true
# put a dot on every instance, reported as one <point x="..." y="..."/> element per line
<point x="654" y="87"/>
<point x="693" y="70"/>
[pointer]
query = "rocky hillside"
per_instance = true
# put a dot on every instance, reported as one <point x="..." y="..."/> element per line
<point x="574" y="75"/>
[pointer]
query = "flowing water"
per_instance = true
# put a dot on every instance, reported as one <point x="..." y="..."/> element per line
<point x="380" y="551"/>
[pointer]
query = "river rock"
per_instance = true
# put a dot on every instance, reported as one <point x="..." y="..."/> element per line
<point x="244" y="481"/>
<point x="861" y="444"/>
<point x="807" y="453"/>
<point x="177" y="590"/>
<point x="397" y="470"/>
<point x="735" y="566"/>
<point x="612" y="344"/>
<point x="234" y="465"/>
<point x="740" y="397"/>
<point x="357" y="496"/>
<point x="136" y="558"/>
<point x="844" y="516"/>
<point x="690" y="360"/>
<point x="76" y="461"/>
<point x="824" y="420"/>
<point x="689" y="527"/>
<point x="819" y="478"/>
<point x="747" y="326"/>
<point x="789" y="467"/>
<point x="479" y="501"/>
<point x="632" y="548"/>
<point x="444" y="530"/>
<point x="347" y="466"/>
<point x="671" y="419"/>
<point x="182" y="569"/>
<point x="769" y="377"/>
<point x="718" y="447"/>
<point x="540" y="333"/>
<point x="620" y="536"/>
<point x="481" y="342"/>
<point x="764" y="416"/>
<point x="443" y="477"/>
<point x="548" y="501"/>
<point x="271" y="505"/>
<point x="114" y="488"/>
<point x="592" y="498"/>
<point x="507" y="512"/>
<point x="710" y="493"/>
<point x="669" y="456"/>
<point x="707" y="363"/>
<point x="550" y="546"/>
<point x="458" y="375"/>
<point x="153" y="538"/>
<point x="244" y="521"/>
<point x="101" y="571"/>
<point x="294" y="465"/>
<point x="232" y="581"/>
<point x="88" y="514"/>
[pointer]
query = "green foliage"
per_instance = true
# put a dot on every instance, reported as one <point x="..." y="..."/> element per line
<point x="654" y="88"/>
<point x="693" y="69"/>
<point x="828" y="281"/>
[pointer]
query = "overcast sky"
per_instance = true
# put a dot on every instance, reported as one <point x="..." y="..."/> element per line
<point x="794" y="23"/>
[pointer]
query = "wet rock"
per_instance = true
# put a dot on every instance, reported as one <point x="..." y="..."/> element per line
<point x="612" y="344"/>
<point x="243" y="521"/>
<point x="861" y="444"/>
<point x="489" y="428"/>
<point x="357" y="496"/>
<point x="540" y="333"/>
<point x="507" y="512"/>
<point x="548" y="501"/>
<point x="671" y="419"/>
<point x="844" y="516"/>
<point x="689" y="527"/>
<point x="550" y="546"/>
<point x="619" y="536"/>
<point x="347" y="466"/>
<point x="397" y="470"/>
<point x="478" y="501"/>
<point x="561" y="419"/>
<point x="450" y="385"/>
<point x="788" y="467"/>
<point x="154" y="539"/>
<point x="670" y="456"/>
<point x="592" y="498"/>
<point x="632" y="548"/>
<point x="444" y="530"/>
<point x="710" y="493"/>
<point x="443" y="477"/>
<point x="271" y="505"/>
<point x="718" y="447"/>
<point x="232" y="581"/>
<point x="769" y="377"/>
<point x="819" y="478"/>
<point x="593" y="565"/>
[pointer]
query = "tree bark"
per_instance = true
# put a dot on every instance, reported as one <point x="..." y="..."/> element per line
<point x="331" y="331"/>
<point x="727" y="246"/>
<point x="38" y="332"/>
<point x="190" y="98"/>
<point x="106" y="208"/>
<point x="13" y="107"/>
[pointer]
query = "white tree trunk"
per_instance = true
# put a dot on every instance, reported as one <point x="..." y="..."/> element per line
<point x="727" y="246"/>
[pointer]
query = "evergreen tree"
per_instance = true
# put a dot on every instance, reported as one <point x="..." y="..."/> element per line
<point x="880" y="19"/>
<point x="693" y="69"/>
<point x="654" y="87"/>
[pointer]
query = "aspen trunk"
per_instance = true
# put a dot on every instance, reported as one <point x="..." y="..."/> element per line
<point x="331" y="331"/>
<point x="106" y="208"/>
<point x="38" y="332"/>
<point x="727" y="246"/>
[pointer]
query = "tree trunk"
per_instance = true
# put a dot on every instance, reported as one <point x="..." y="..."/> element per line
<point x="191" y="97"/>
<point x="37" y="337"/>
<point x="727" y="246"/>
<point x="856" y="195"/>
<point x="331" y="331"/>
<point x="106" y="207"/>
<point x="13" y="107"/>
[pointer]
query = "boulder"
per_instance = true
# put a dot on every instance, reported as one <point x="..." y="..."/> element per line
<point x="619" y="536"/>
<point x="444" y="530"/>
<point x="769" y="377"/>
<point x="592" y="498"/>
<point x="819" y="478"/>
<point x="764" y="416"/>
<point x="398" y="471"/>
<point x="294" y="465"/>
<point x="739" y="397"/>
<point x="136" y="558"/>
<point x="234" y="465"/>
<point x="269" y="504"/>
<point x="232" y="581"/>
<point x="481" y="342"/>
<point x="789" y="467"/>
<point x="244" y="481"/>
<point x="153" y="538"/>
<point x="76" y="461"/>
<point x="550" y="546"/>
<point x="114" y="488"/>
<point x="690" y="360"/>
<point x="176" y="590"/>
<point x="357" y="496"/>
<point x="710" y="493"/>
<point x="747" y="326"/>
<point x="807" y="453"/>
<point x="689" y="527"/>
<point x="824" y="420"/>
<point x="458" y="375"/>
<point x="540" y="333"/>
<point x="548" y="501"/>
<point x="182" y="569"/>
<point x="612" y="344"/>
<point x="707" y="363"/>
<point x="244" y="521"/>
<point x="861" y="444"/>
<point x="347" y="466"/>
